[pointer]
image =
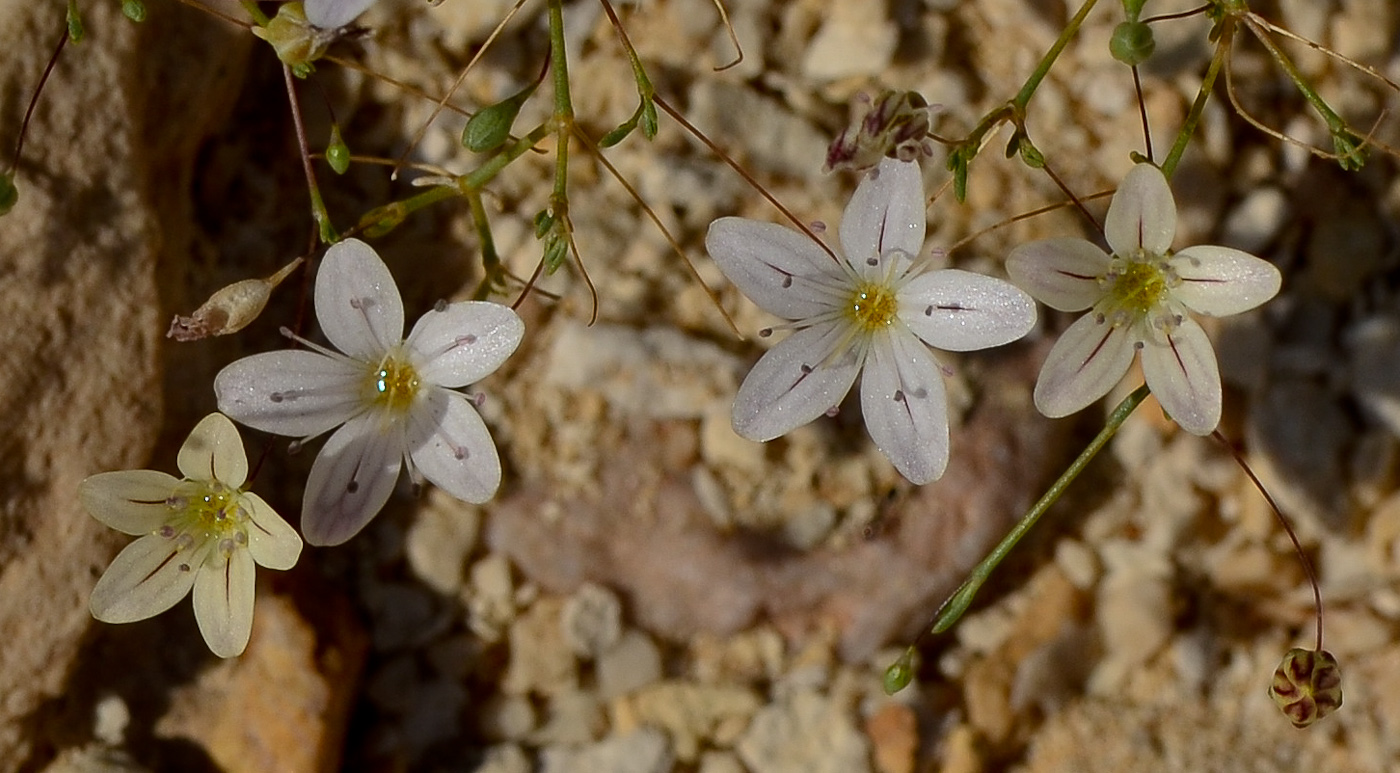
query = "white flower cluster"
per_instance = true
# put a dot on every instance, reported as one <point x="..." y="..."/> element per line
<point x="874" y="311"/>
<point x="396" y="404"/>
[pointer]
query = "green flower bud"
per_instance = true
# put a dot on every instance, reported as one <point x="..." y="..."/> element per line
<point x="9" y="194"/>
<point x="1132" y="43"/>
<point x="490" y="127"/>
<point x="292" y="36"/>
<point x="75" y="23"/>
<point x="337" y="152"/>
<point x="134" y="10"/>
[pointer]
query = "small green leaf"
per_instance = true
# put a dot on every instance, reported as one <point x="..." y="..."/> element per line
<point x="617" y="135"/>
<point x="381" y="220"/>
<point x="337" y="152"/>
<point x="556" y="249"/>
<point x="544" y="222"/>
<point x="134" y="10"/>
<point x="649" y="123"/>
<point x="75" y="22"/>
<point x="1030" y="154"/>
<point x="957" y="162"/>
<point x="9" y="194"/>
<point x="1351" y="149"/>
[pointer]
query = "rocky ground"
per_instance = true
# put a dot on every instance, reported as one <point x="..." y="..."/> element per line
<point x="649" y="592"/>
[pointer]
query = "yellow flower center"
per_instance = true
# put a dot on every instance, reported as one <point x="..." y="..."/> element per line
<point x="1139" y="287"/>
<point x="395" y="383"/>
<point x="206" y="514"/>
<point x="872" y="306"/>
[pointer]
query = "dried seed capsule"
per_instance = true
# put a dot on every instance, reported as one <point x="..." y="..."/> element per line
<point x="1307" y="686"/>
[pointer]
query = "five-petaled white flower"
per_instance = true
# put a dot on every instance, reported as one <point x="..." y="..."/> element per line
<point x="203" y="532"/>
<point x="1138" y="299"/>
<point x="396" y="398"/>
<point x="867" y="312"/>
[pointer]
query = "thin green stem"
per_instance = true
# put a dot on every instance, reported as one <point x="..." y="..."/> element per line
<point x="957" y="603"/>
<point x="318" y="206"/>
<point x="492" y="273"/>
<point x="953" y="608"/>
<point x="385" y="218"/>
<point x="1023" y="97"/>
<point x="254" y="11"/>
<point x="563" y="105"/>
<point x="1193" y="118"/>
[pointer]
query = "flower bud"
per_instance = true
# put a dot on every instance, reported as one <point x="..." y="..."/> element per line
<point x="9" y="194"/>
<point x="895" y="124"/>
<point x="292" y="36"/>
<point x="230" y="309"/>
<point x="134" y="10"/>
<point x="1307" y="686"/>
<point x="337" y="152"/>
<point x="1132" y="43"/>
<point x="490" y="127"/>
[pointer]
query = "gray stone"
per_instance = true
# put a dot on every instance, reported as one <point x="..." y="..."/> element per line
<point x="633" y="662"/>
<point x="642" y="751"/>
<point x="592" y="620"/>
<point x="807" y="733"/>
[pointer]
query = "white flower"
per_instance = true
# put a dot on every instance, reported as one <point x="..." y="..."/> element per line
<point x="1138" y="298"/>
<point x="203" y="532"/>
<point x="868" y="312"/>
<point x="396" y="398"/>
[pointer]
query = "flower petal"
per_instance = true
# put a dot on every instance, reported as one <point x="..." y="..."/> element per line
<point x="223" y="603"/>
<point x="905" y="407"/>
<point x="797" y="381"/>
<point x="781" y="270"/>
<point x="1143" y="213"/>
<point x="130" y="501"/>
<point x="885" y="213"/>
<point x="1184" y="376"/>
<point x="1089" y="359"/>
<point x="294" y="393"/>
<point x="1220" y="281"/>
<point x="350" y="480"/>
<point x="214" y="452"/>
<point x="271" y="541"/>
<point x="960" y="311"/>
<point x="454" y="449"/>
<point x="334" y="14"/>
<point x="145" y="579"/>
<point x="357" y="301"/>
<point x="465" y="342"/>
<point x="1060" y="273"/>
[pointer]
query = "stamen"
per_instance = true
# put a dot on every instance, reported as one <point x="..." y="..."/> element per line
<point x="899" y="395"/>
<point x="166" y="531"/>
<point x="920" y="393"/>
<point x="352" y="487"/>
<point x="806" y="369"/>
<point x="466" y="339"/>
<point x="765" y="332"/>
<point x="787" y="281"/>
<point x="832" y="411"/>
<point x="275" y="397"/>
<point x="441" y="305"/>
<point x="294" y="447"/>
<point x="929" y="311"/>
<point x="184" y="567"/>
<point x="315" y="347"/>
<point x="875" y="261"/>
<point x="817" y="226"/>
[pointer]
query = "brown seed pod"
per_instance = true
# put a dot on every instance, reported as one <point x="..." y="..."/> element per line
<point x="230" y="309"/>
<point x="1307" y="686"/>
